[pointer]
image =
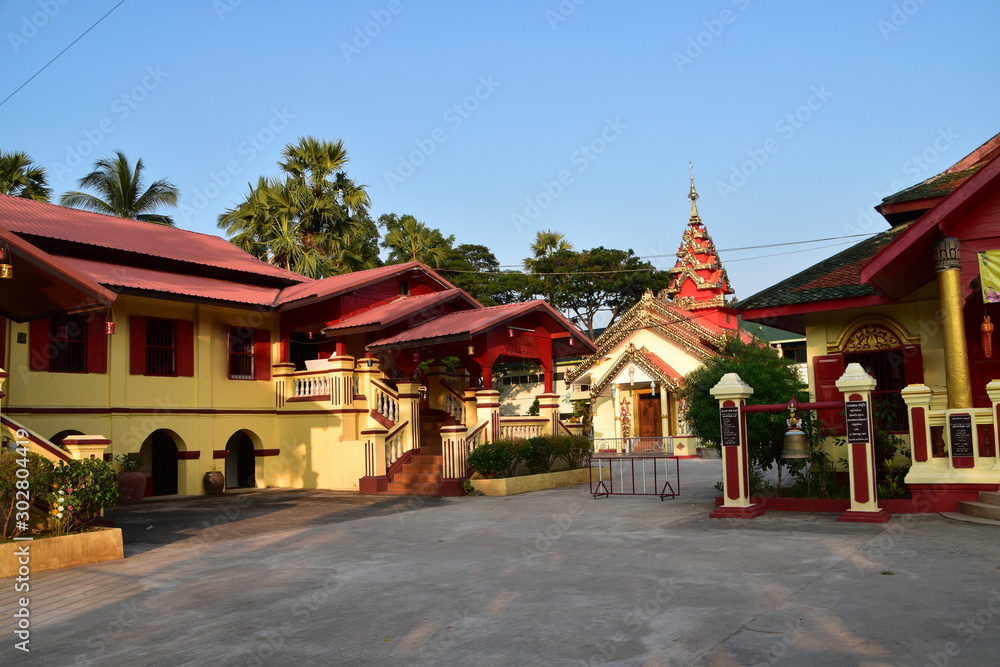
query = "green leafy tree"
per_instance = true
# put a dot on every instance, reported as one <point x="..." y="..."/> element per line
<point x="774" y="380"/>
<point x="312" y="220"/>
<point x="409" y="240"/>
<point x="119" y="191"/>
<point x="590" y="283"/>
<point x="476" y="269"/>
<point x="21" y="177"/>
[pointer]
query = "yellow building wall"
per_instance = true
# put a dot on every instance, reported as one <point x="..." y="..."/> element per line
<point x="200" y="413"/>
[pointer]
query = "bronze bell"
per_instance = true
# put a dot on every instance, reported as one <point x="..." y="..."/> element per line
<point x="796" y="445"/>
<point x="6" y="271"/>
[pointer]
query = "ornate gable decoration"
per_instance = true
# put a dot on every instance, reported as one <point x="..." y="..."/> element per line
<point x="656" y="315"/>
<point x="870" y="334"/>
<point x="636" y="356"/>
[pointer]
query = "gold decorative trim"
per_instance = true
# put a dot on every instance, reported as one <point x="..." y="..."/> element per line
<point x="872" y="333"/>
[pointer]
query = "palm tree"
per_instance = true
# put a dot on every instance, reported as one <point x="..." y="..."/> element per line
<point x="313" y="221"/>
<point x="409" y="240"/>
<point x="119" y="191"/>
<point x="547" y="243"/>
<point x="21" y="177"/>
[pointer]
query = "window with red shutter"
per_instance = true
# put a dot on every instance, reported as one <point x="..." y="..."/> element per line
<point x="249" y="354"/>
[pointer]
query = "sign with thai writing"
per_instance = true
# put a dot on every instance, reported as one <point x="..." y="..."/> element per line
<point x="857" y="422"/>
<point x="960" y="430"/>
<point x="730" y="425"/>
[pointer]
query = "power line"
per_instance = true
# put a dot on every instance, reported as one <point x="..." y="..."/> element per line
<point x="646" y="270"/>
<point x="61" y="52"/>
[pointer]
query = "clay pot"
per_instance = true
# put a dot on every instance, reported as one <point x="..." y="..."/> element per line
<point x="214" y="482"/>
<point x="131" y="487"/>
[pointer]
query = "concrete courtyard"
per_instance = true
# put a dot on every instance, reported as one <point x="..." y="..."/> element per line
<point x="282" y="577"/>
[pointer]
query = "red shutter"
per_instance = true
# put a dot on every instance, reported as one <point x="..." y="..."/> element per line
<point x="137" y="345"/>
<point x="913" y="365"/>
<point x="97" y="345"/>
<point x="185" y="348"/>
<point x="261" y="354"/>
<point x="38" y="350"/>
<point x="826" y="371"/>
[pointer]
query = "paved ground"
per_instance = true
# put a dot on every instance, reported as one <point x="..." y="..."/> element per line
<point x="548" y="578"/>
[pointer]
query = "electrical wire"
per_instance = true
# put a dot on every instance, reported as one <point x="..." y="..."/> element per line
<point x="61" y="52"/>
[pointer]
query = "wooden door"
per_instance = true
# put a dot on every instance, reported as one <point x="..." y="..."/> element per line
<point x="650" y="425"/>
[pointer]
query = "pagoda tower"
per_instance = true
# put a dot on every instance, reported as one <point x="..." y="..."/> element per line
<point x="698" y="281"/>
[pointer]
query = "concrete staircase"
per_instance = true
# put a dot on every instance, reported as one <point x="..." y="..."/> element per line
<point x="421" y="476"/>
<point x="988" y="507"/>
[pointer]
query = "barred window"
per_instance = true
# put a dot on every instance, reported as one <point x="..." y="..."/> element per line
<point x="161" y="347"/>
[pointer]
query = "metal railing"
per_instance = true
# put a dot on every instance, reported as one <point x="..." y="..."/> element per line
<point x="633" y="476"/>
<point x="662" y="445"/>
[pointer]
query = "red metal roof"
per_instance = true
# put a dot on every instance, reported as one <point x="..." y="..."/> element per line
<point x="405" y="307"/>
<point x="24" y="216"/>
<point x="472" y="322"/>
<point x="132" y="277"/>
<point x="348" y="282"/>
<point x="43" y="285"/>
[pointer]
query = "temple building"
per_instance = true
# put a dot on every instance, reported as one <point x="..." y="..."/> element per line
<point x="641" y="359"/>
<point x="916" y="306"/>
<point x="122" y="336"/>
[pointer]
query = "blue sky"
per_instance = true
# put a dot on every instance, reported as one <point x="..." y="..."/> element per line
<point x="493" y="120"/>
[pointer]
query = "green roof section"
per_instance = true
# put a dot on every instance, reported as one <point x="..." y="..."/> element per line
<point x="934" y="187"/>
<point x="768" y="334"/>
<point x="837" y="277"/>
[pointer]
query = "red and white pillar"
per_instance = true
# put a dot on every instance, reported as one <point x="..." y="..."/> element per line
<point x="857" y="385"/>
<point x="732" y="393"/>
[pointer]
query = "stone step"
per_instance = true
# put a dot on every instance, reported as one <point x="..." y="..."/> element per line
<point x="413" y="488"/>
<point x="427" y="459"/>
<point x="424" y="468"/>
<point x="410" y="476"/>
<point x="989" y="497"/>
<point x="981" y="510"/>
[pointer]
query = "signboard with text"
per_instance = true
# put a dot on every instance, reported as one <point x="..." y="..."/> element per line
<point x="730" y="425"/>
<point x="857" y="422"/>
<point x="960" y="430"/>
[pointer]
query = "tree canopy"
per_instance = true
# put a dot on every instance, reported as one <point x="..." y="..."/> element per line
<point x="409" y="240"/>
<point x="312" y="220"/>
<point x="21" y="177"/>
<point x="774" y="380"/>
<point x="119" y="188"/>
<point x="589" y="283"/>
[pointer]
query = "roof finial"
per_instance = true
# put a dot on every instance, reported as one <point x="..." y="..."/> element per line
<point x="693" y="196"/>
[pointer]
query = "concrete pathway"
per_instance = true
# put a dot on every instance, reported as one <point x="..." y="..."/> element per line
<point x="549" y="578"/>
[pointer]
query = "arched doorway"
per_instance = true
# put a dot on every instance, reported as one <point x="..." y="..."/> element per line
<point x="240" y="463"/>
<point x="159" y="453"/>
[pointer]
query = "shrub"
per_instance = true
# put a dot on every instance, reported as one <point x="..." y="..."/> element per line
<point x="22" y="488"/>
<point x="80" y="490"/>
<point x="497" y="459"/>
<point x="129" y="462"/>
<point x="540" y="454"/>
<point x="576" y="451"/>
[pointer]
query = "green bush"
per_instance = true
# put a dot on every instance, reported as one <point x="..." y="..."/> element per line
<point x="576" y="451"/>
<point x="131" y="462"/>
<point x="497" y="459"/>
<point x="80" y="490"/>
<point x="33" y="485"/>
<point x="540" y="454"/>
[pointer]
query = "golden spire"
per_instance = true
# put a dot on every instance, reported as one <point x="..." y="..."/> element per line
<point x="693" y="196"/>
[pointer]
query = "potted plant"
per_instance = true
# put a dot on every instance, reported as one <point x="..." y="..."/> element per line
<point x="214" y="482"/>
<point x="131" y="479"/>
